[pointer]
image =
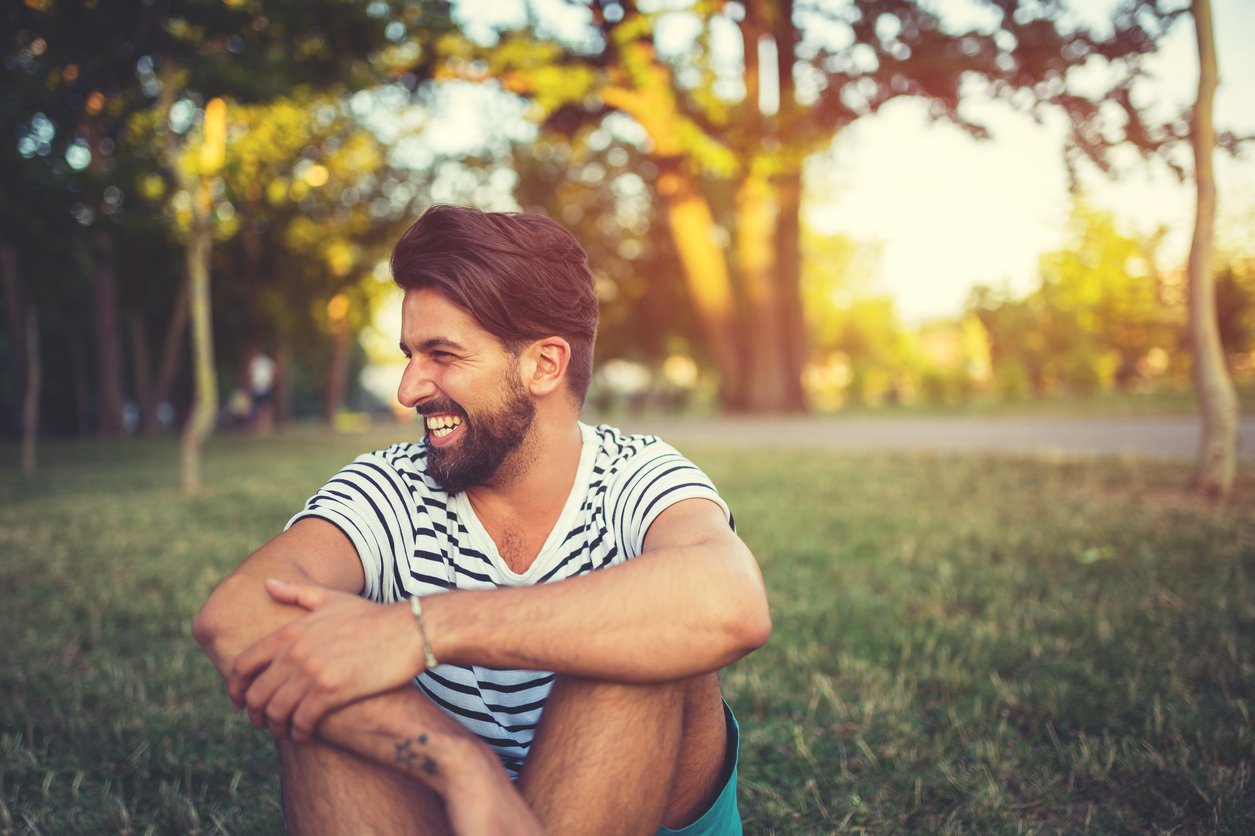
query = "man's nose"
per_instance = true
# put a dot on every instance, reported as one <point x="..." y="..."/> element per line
<point x="416" y="385"/>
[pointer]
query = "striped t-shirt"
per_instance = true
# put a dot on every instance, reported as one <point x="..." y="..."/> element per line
<point x="415" y="539"/>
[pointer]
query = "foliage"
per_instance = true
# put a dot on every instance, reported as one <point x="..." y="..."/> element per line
<point x="1105" y="314"/>
<point x="729" y="108"/>
<point x="953" y="652"/>
<point x="304" y="202"/>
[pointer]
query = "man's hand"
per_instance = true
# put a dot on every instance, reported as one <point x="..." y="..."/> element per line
<point x="347" y="648"/>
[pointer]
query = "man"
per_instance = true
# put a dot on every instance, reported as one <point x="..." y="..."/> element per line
<point x="576" y="588"/>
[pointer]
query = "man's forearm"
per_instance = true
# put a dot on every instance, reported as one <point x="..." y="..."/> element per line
<point x="403" y="730"/>
<point x="656" y="618"/>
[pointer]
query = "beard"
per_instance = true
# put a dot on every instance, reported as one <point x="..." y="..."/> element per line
<point x="488" y="440"/>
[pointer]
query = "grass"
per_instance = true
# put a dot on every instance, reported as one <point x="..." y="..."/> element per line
<point x="962" y="644"/>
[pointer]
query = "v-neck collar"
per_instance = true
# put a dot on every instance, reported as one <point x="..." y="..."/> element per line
<point x="462" y="508"/>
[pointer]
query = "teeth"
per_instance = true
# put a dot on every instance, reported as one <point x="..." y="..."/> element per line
<point x="442" y="425"/>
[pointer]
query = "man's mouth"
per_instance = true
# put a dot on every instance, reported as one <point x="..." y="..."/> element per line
<point x="439" y="426"/>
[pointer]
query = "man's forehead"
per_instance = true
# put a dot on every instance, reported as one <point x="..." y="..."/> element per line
<point x="429" y="316"/>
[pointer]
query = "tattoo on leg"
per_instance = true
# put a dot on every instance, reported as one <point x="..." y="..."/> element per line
<point x="405" y="753"/>
<point x="406" y="756"/>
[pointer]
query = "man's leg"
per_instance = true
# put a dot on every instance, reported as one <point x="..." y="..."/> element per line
<point x="412" y="769"/>
<point x="327" y="791"/>
<point x="613" y="758"/>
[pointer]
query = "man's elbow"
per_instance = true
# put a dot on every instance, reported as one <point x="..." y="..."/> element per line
<point x="212" y="624"/>
<point x="751" y="628"/>
<point x="748" y="621"/>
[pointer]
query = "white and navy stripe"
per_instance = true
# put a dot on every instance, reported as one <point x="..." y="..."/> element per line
<point x="414" y="539"/>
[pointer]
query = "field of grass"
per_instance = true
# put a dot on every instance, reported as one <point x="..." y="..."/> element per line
<point x="962" y="644"/>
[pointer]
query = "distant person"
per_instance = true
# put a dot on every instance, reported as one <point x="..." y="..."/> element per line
<point x="261" y="383"/>
<point x="513" y="625"/>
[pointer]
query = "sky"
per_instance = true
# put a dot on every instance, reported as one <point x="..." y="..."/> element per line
<point x="949" y="212"/>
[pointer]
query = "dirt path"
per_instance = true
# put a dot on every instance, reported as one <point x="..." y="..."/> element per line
<point x="1171" y="437"/>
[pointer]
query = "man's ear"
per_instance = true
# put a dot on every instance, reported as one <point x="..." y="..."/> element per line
<point x="545" y="364"/>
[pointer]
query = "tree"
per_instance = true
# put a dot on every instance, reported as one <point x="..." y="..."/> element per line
<point x="1217" y="459"/>
<point x="729" y="132"/>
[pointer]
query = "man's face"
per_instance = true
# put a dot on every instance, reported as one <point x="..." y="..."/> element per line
<point x="466" y="386"/>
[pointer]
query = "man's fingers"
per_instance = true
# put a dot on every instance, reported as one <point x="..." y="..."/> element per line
<point x="309" y="714"/>
<point x="278" y="710"/>
<point x="305" y="595"/>
<point x="252" y="661"/>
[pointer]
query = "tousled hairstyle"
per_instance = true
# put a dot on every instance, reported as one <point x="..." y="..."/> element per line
<point x="522" y="277"/>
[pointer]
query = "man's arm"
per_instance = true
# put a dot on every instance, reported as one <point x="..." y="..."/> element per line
<point x="691" y="603"/>
<point x="239" y="611"/>
<point x="390" y="728"/>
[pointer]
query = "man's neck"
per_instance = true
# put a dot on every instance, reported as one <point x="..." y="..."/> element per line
<point x="521" y="509"/>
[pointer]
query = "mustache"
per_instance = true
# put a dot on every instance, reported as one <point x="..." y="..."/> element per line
<point x="441" y="406"/>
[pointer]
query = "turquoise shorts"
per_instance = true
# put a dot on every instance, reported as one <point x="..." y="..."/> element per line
<point x="723" y="818"/>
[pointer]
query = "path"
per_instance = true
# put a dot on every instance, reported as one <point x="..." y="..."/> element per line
<point x="1162" y="437"/>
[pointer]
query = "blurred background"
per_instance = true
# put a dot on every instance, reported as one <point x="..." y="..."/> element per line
<point x="949" y="226"/>
<point x="818" y="205"/>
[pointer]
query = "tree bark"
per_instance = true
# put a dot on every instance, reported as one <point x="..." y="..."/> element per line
<point x="283" y="386"/>
<point x="755" y="231"/>
<point x="1217" y="460"/>
<point x="706" y="274"/>
<point x="337" y="373"/>
<point x="13" y="311"/>
<point x="200" y="423"/>
<point x="172" y="347"/>
<point x="108" y="356"/>
<point x="649" y="97"/>
<point x="788" y="238"/>
<point x="143" y="377"/>
<point x="30" y="401"/>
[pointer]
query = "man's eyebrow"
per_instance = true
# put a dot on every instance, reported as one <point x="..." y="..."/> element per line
<point x="435" y="344"/>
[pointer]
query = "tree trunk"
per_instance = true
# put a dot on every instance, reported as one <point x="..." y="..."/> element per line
<point x="755" y="261"/>
<point x="200" y="423"/>
<point x="788" y="190"/>
<point x="788" y="239"/>
<point x="143" y="377"/>
<point x="13" y="311"/>
<point x="650" y="99"/>
<point x="1217" y="460"/>
<point x="108" y="356"/>
<point x="709" y="281"/>
<point x="172" y="347"/>
<point x="337" y="369"/>
<point x="82" y="389"/>
<point x="283" y="386"/>
<point x="30" y="401"/>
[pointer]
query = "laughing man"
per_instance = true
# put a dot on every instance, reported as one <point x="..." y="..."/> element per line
<point x="513" y="625"/>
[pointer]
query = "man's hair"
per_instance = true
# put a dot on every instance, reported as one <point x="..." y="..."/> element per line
<point x="522" y="277"/>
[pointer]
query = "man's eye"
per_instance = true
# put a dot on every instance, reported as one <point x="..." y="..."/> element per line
<point x="442" y="356"/>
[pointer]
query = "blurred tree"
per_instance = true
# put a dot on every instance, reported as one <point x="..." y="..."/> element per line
<point x="100" y="95"/>
<point x="1217" y="458"/>
<point x="1102" y="311"/>
<point x="1102" y="293"/>
<point x="739" y="121"/>
<point x="602" y="188"/>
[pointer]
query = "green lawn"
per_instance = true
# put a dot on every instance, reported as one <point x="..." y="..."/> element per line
<point x="963" y="644"/>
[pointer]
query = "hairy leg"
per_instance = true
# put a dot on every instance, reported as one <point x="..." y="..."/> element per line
<point x="614" y="758"/>
<point x="395" y="763"/>
<point x="328" y="791"/>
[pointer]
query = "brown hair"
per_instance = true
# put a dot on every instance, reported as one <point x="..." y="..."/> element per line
<point x="522" y="277"/>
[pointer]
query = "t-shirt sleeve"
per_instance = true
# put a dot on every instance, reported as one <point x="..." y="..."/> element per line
<point x="648" y="483"/>
<point x="369" y="501"/>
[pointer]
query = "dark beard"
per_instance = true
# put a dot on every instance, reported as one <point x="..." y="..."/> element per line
<point x="487" y="440"/>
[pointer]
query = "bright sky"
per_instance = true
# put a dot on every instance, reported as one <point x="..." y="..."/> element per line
<point x="951" y="212"/>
